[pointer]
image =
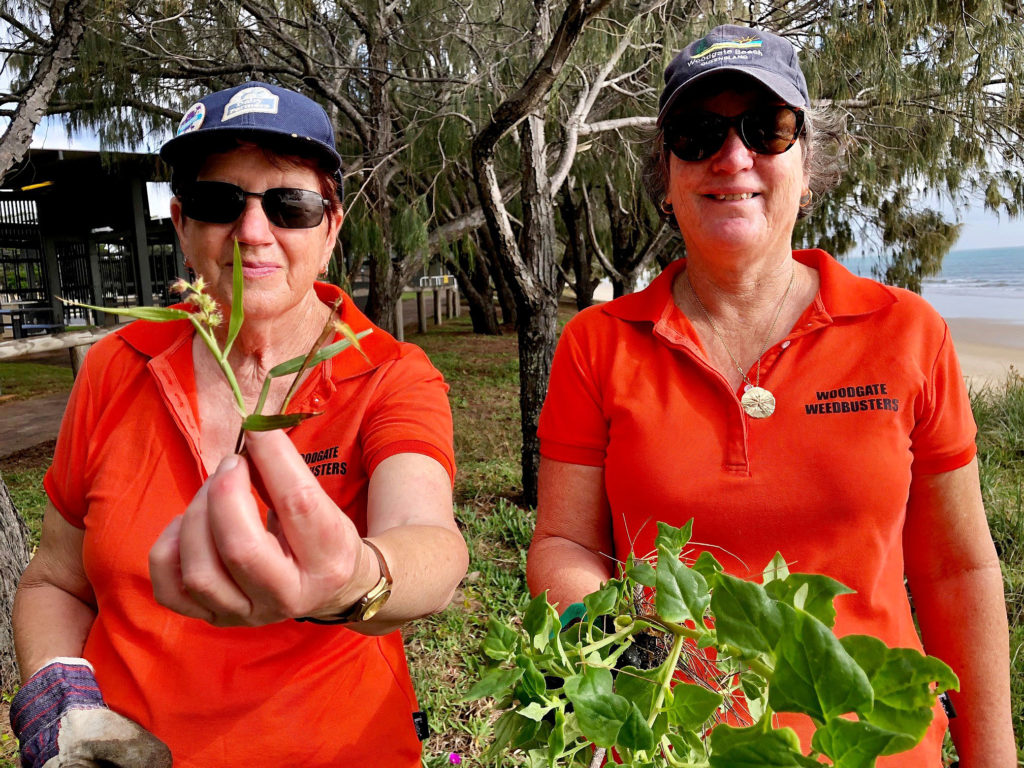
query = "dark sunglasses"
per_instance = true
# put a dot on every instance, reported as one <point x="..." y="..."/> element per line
<point x="767" y="130"/>
<point x="217" y="202"/>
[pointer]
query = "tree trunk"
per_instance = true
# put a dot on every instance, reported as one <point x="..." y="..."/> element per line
<point x="385" y="285"/>
<point x="623" y="287"/>
<point x="506" y="300"/>
<point x="14" y="556"/>
<point x="32" y="106"/>
<point x="531" y="269"/>
<point x="538" y="332"/>
<point x="584" y="282"/>
<point x="484" y="318"/>
<point x="385" y="293"/>
<point x="538" y="328"/>
<point x="474" y="278"/>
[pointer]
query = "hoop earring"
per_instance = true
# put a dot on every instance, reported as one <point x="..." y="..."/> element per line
<point x="666" y="208"/>
<point x="806" y="198"/>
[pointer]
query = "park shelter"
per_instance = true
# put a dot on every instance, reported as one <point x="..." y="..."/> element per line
<point x="76" y="224"/>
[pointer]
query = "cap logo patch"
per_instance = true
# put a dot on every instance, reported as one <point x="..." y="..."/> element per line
<point x="706" y="51"/>
<point x="249" y="101"/>
<point x="193" y="119"/>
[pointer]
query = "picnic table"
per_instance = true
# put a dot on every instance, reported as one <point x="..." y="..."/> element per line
<point x="27" y="318"/>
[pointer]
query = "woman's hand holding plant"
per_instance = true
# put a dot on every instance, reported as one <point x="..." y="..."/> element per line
<point x="218" y="561"/>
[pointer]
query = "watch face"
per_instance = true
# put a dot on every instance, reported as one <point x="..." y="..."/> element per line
<point x="374" y="605"/>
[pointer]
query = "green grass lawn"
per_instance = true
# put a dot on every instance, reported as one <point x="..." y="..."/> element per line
<point x="22" y="380"/>
<point x="23" y="475"/>
<point x="443" y="650"/>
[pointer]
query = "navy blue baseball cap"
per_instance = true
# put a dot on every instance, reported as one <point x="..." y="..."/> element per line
<point x="261" y="113"/>
<point x="758" y="53"/>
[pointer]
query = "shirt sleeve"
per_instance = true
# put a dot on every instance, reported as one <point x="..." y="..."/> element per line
<point x="66" y="481"/>
<point x="943" y="436"/>
<point x="409" y="413"/>
<point x="573" y="427"/>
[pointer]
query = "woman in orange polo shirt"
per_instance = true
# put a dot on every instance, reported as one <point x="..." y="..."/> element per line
<point x="776" y="399"/>
<point x="163" y="605"/>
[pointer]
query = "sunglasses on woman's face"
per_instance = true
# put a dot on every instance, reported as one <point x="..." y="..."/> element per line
<point x="217" y="202"/>
<point x="769" y="130"/>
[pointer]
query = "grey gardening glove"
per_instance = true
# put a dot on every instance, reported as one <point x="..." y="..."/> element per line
<point x="61" y="720"/>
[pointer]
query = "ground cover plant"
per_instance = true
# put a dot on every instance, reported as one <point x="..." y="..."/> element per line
<point x="443" y="650"/>
<point x="676" y="647"/>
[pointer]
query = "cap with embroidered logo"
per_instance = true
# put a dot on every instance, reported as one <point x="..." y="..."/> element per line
<point x="763" y="55"/>
<point x="258" y="112"/>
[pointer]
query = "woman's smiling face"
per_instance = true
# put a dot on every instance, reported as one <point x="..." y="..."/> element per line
<point x="735" y="201"/>
<point x="279" y="265"/>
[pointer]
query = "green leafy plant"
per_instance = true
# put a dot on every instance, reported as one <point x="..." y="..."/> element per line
<point x="681" y="664"/>
<point x="207" y="316"/>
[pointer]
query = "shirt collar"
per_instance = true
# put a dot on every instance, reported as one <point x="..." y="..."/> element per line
<point x="842" y="294"/>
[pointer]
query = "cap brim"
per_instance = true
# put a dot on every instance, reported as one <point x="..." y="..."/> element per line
<point x="174" y="150"/>
<point x="775" y="83"/>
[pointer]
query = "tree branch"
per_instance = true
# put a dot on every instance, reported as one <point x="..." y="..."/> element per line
<point x="30" y="111"/>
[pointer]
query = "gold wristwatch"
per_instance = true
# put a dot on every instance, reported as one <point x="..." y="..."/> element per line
<point x="367" y="606"/>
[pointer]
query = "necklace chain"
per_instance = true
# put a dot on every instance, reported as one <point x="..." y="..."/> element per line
<point x="767" y="338"/>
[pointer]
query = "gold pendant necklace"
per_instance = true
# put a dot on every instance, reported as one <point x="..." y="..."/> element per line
<point x="757" y="401"/>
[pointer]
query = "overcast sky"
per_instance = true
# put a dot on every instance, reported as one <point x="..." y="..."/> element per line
<point x="984" y="229"/>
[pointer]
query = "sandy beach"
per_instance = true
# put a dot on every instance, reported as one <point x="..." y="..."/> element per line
<point x="987" y="348"/>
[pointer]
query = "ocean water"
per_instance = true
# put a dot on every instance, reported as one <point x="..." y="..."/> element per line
<point x="987" y="284"/>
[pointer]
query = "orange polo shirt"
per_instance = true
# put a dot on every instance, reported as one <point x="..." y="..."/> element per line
<point x="869" y="393"/>
<point x="127" y="462"/>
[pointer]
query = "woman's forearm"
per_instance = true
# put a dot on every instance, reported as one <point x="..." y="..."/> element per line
<point x="954" y="576"/>
<point x="54" y="604"/>
<point x="48" y="622"/>
<point x="572" y="547"/>
<point x="427" y="563"/>
<point x="963" y="622"/>
<point x="567" y="570"/>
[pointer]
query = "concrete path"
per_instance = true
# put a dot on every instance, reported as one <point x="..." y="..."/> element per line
<point x="25" y="423"/>
<point x="29" y="422"/>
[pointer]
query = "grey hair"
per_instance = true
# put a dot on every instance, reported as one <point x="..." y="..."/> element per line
<point x="824" y="144"/>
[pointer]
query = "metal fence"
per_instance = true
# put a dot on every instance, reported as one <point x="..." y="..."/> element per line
<point x="22" y="270"/>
